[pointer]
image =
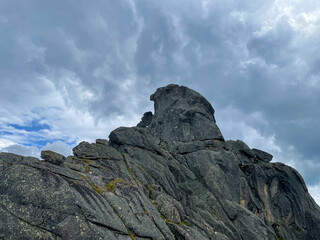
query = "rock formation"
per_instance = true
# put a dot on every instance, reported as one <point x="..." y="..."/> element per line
<point x="171" y="177"/>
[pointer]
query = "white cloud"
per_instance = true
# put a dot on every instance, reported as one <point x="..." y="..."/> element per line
<point x="4" y="143"/>
<point x="22" y="150"/>
<point x="253" y="130"/>
<point x="94" y="71"/>
<point x="58" y="147"/>
<point x="250" y="128"/>
<point x="306" y="23"/>
<point x="314" y="191"/>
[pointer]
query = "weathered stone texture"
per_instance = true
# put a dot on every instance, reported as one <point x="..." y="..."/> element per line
<point x="171" y="177"/>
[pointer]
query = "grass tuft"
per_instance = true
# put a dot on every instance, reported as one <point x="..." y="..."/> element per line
<point x="131" y="235"/>
<point x="111" y="186"/>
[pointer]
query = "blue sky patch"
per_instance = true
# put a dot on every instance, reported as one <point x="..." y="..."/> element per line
<point x="5" y="133"/>
<point x="34" y="126"/>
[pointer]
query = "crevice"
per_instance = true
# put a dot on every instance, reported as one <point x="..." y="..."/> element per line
<point x="151" y="216"/>
<point x="141" y="147"/>
<point x="9" y="165"/>
<point x="123" y="222"/>
<point x="129" y="169"/>
<point x="50" y="171"/>
<point x="33" y="225"/>
<point x="100" y="224"/>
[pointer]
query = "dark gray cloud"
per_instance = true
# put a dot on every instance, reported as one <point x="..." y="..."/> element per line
<point x="91" y="67"/>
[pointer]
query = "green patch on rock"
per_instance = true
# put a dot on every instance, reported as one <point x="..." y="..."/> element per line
<point x="111" y="186"/>
<point x="98" y="189"/>
<point x="131" y="235"/>
<point x="153" y="202"/>
<point x="183" y="223"/>
<point x="129" y="169"/>
<point x="146" y="212"/>
<point x="150" y="188"/>
<point x="166" y="220"/>
<point x="87" y="164"/>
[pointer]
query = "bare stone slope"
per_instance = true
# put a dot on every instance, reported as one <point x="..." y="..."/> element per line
<point x="171" y="177"/>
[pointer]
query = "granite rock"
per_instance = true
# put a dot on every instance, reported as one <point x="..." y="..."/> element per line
<point x="52" y="157"/>
<point x="183" y="115"/>
<point x="171" y="177"/>
<point x="262" y="155"/>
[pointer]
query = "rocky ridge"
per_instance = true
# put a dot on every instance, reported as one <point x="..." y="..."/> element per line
<point x="173" y="176"/>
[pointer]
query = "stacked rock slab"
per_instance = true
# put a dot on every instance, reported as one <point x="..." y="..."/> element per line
<point x="171" y="177"/>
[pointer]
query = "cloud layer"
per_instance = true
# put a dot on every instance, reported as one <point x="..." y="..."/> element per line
<point x="75" y="71"/>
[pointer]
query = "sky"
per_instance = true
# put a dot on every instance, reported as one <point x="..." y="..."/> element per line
<point x="73" y="71"/>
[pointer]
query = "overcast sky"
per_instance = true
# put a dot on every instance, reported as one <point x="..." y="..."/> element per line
<point x="75" y="70"/>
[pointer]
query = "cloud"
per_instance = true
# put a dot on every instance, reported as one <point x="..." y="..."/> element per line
<point x="84" y="69"/>
<point x="253" y="129"/>
<point x="58" y="147"/>
<point x="22" y="150"/>
<point x="315" y="192"/>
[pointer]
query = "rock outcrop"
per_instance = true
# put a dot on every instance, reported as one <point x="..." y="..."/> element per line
<point x="171" y="177"/>
<point x="52" y="157"/>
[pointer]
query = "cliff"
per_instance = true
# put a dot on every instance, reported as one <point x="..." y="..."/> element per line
<point x="173" y="176"/>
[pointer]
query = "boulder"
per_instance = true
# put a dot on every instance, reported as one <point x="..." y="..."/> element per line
<point x="95" y="151"/>
<point x="102" y="141"/>
<point x="52" y="157"/>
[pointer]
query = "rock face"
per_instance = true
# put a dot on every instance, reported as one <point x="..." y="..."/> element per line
<point x="171" y="177"/>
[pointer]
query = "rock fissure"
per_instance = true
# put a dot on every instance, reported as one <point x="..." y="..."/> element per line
<point x="33" y="225"/>
<point x="101" y="224"/>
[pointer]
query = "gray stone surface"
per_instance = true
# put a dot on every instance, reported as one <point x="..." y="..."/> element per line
<point x="261" y="155"/>
<point x="52" y="157"/>
<point x="96" y="151"/>
<point x="145" y="120"/>
<point x="150" y="182"/>
<point x="183" y="115"/>
<point x="102" y="141"/>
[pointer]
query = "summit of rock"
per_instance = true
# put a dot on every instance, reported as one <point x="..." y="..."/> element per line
<point x="174" y="96"/>
<point x="183" y="115"/>
<point x="172" y="177"/>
